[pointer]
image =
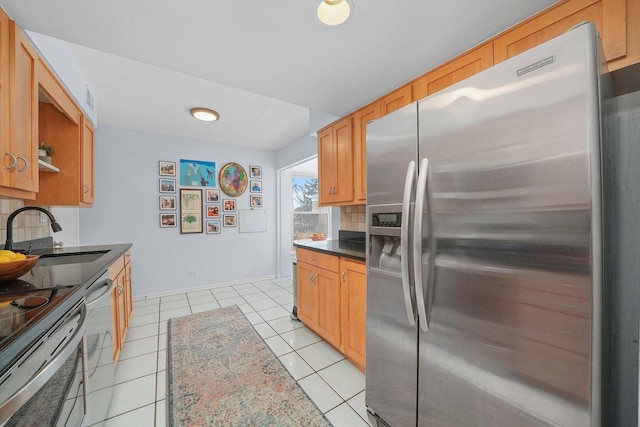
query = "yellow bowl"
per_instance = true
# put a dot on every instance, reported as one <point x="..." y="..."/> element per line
<point x="13" y="269"/>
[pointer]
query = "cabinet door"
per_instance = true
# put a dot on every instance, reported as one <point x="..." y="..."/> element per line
<point x="307" y="294"/>
<point x="326" y="166"/>
<point x="5" y="99"/>
<point x="546" y="26"/>
<point x="335" y="163"/>
<point x="86" y="167"/>
<point x="343" y="138"/>
<point x="128" y="287"/>
<point x="360" y="120"/>
<point x="23" y="150"/>
<point x="328" y="284"/>
<point x="354" y="310"/>
<point x="454" y="71"/>
<point x="395" y="100"/>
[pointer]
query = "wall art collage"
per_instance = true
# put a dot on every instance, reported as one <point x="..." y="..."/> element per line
<point x="201" y="200"/>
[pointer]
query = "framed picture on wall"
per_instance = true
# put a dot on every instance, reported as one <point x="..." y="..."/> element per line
<point x="167" y="203"/>
<point x="167" y="185"/>
<point x="229" y="220"/>
<point x="167" y="220"/>
<point x="213" y="211"/>
<point x="212" y="195"/>
<point x="229" y="205"/>
<point x="256" y="201"/>
<point x="256" y="186"/>
<point x="255" y="172"/>
<point x="213" y="227"/>
<point x="190" y="211"/>
<point x="167" y="168"/>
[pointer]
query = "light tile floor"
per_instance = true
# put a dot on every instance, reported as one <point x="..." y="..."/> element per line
<point x="139" y="397"/>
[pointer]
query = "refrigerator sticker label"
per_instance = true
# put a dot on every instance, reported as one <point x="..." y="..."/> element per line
<point x="536" y="65"/>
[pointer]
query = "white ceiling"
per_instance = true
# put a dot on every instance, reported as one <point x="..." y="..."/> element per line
<point x="270" y="68"/>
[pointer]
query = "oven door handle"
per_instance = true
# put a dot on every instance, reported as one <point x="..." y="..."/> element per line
<point x="91" y="300"/>
<point x="37" y="381"/>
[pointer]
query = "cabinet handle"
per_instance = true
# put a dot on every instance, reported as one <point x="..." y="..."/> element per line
<point x="313" y="258"/>
<point x="14" y="161"/>
<point x="120" y="290"/>
<point x="313" y="278"/>
<point x="26" y="164"/>
<point x="86" y="189"/>
<point x="344" y="276"/>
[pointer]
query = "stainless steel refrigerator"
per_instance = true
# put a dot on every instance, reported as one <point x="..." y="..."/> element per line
<point x="485" y="256"/>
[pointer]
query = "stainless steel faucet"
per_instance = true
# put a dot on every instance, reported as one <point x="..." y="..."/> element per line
<point x="54" y="224"/>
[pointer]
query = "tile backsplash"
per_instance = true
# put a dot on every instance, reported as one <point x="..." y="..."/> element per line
<point x="353" y="218"/>
<point x="26" y="226"/>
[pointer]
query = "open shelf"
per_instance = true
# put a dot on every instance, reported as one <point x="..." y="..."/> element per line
<point x="46" y="167"/>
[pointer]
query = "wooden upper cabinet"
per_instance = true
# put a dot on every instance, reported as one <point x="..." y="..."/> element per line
<point x="360" y="120"/>
<point x="616" y="22"/>
<point x="86" y="165"/>
<point x="335" y="163"/>
<point x="395" y="100"/>
<point x="62" y="125"/>
<point x="5" y="118"/>
<point x="19" y="174"/>
<point x="453" y="71"/>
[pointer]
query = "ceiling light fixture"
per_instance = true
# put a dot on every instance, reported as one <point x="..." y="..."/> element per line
<point x="333" y="12"/>
<point x="205" y="114"/>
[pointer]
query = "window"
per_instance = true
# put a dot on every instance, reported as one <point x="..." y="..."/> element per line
<point x="306" y="217"/>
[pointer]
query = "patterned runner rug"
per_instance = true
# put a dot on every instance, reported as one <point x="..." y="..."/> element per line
<point x="221" y="373"/>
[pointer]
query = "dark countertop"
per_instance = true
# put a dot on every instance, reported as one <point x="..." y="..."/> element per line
<point x="354" y="250"/>
<point x="90" y="262"/>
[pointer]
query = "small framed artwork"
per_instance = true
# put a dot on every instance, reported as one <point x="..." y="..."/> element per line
<point x="167" y="203"/>
<point x="255" y="172"/>
<point x="190" y="211"/>
<point x="167" y="185"/>
<point x="167" y="220"/>
<point x="229" y="220"/>
<point x="256" y="201"/>
<point x="256" y="186"/>
<point x="212" y="196"/>
<point x="229" y="205"/>
<point x="167" y="168"/>
<point x="213" y="211"/>
<point x="213" y="227"/>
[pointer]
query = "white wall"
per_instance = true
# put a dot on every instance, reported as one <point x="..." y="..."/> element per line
<point x="126" y="210"/>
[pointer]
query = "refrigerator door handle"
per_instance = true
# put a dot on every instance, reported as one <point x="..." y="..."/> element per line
<point x="404" y="240"/>
<point x="421" y="189"/>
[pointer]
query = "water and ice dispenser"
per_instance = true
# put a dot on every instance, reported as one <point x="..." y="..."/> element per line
<point x="384" y="232"/>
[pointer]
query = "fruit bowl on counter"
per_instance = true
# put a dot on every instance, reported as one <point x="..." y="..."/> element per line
<point x="318" y="236"/>
<point x="14" y="265"/>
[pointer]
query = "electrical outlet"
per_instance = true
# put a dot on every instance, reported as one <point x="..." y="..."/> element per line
<point x="191" y="274"/>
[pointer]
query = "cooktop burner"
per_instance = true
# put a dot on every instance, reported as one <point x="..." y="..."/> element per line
<point x="25" y="301"/>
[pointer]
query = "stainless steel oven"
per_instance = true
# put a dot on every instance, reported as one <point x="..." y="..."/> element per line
<point x="46" y="384"/>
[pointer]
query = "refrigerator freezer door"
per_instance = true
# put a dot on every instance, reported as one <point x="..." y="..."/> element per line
<point x="514" y="332"/>
<point x="392" y="142"/>
<point x="391" y="380"/>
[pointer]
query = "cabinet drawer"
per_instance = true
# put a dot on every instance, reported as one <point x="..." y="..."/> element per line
<point x="319" y="259"/>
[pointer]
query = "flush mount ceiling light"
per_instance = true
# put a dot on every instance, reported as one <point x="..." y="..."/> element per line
<point x="205" y="114"/>
<point x="333" y="12"/>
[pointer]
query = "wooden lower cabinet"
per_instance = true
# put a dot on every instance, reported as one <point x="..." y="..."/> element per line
<point x="332" y="301"/>
<point x="319" y="301"/>
<point x="121" y="300"/>
<point x="354" y="310"/>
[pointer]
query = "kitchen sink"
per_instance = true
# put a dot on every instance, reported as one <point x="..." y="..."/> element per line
<point x="57" y="258"/>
